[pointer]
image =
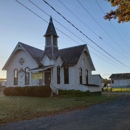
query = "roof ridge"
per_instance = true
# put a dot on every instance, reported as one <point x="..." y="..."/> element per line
<point x="72" y="47"/>
<point x="30" y="46"/>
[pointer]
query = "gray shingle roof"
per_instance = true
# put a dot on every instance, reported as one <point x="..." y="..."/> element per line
<point x="51" y="29"/>
<point x="71" y="55"/>
<point x="120" y="76"/>
<point x="34" y="52"/>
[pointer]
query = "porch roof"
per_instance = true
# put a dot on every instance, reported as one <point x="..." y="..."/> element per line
<point x="41" y="68"/>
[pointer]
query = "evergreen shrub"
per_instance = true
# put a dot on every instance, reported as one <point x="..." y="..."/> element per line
<point x="16" y="91"/>
<point x="23" y="90"/>
<point x="29" y="91"/>
<point x="43" y="91"/>
<point x="7" y="91"/>
<point x="38" y="91"/>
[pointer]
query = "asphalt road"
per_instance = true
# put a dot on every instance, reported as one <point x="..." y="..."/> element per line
<point x="111" y="115"/>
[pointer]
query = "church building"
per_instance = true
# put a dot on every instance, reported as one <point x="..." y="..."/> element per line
<point x="68" y="68"/>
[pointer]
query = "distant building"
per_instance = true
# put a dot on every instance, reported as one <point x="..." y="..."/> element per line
<point x="2" y="82"/>
<point x="120" y="80"/>
<point x="68" y="68"/>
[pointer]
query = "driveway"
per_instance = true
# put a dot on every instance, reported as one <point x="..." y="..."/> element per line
<point x="111" y="115"/>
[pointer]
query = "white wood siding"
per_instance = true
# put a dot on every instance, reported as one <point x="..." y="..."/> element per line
<point x="121" y="83"/>
<point x="59" y="62"/>
<point x="14" y="63"/>
<point x="96" y="80"/>
<point x="86" y="66"/>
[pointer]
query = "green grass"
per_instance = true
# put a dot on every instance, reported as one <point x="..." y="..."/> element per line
<point x="120" y="89"/>
<point x="19" y="108"/>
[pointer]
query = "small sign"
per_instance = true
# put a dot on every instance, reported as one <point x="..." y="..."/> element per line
<point x="36" y="76"/>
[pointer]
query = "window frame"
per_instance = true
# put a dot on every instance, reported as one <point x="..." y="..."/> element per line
<point x="48" y="40"/>
<point x="86" y="76"/>
<point x="58" y="74"/>
<point x="66" y="75"/>
<point x="15" y="76"/>
<point x="80" y="75"/>
<point x="55" y="41"/>
<point x="112" y="81"/>
<point x="27" y="76"/>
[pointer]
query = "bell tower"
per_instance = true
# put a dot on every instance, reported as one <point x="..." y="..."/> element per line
<point x="51" y="41"/>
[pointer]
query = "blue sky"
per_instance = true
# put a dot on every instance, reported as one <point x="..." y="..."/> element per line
<point x="17" y="24"/>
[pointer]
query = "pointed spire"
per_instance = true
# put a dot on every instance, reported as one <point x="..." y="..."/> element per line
<point x="51" y="19"/>
<point x="51" y="29"/>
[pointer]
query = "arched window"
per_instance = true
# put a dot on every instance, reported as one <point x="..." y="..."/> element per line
<point x="15" y="76"/>
<point x="86" y="76"/>
<point x="66" y="75"/>
<point x="58" y="75"/>
<point x="27" y="76"/>
<point x="80" y="75"/>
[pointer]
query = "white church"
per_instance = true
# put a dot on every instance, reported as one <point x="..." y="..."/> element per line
<point x="68" y="68"/>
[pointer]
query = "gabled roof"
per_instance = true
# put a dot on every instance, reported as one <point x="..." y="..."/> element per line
<point x="35" y="53"/>
<point x="51" y="29"/>
<point x="32" y="51"/>
<point x="120" y="76"/>
<point x="70" y="56"/>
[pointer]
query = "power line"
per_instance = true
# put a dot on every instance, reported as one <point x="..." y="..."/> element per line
<point x="84" y="34"/>
<point x="112" y="25"/>
<point x="90" y="28"/>
<point x="106" y="60"/>
<point x="68" y="30"/>
<point x="56" y="28"/>
<point x="100" y="25"/>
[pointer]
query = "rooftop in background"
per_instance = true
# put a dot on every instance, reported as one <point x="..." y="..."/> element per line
<point x="120" y="76"/>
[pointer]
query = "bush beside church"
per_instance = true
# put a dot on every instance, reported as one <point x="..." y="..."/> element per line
<point x="35" y="91"/>
<point x="41" y="91"/>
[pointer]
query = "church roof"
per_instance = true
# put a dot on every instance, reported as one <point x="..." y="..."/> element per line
<point x="51" y="29"/>
<point x="70" y="56"/>
<point x="34" y="52"/>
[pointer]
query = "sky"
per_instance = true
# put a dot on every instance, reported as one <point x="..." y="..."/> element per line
<point x="108" y="41"/>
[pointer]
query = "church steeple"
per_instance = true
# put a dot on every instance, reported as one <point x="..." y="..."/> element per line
<point x="51" y="29"/>
<point x="51" y="45"/>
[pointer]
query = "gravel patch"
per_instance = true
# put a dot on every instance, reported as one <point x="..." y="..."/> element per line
<point x="111" y="115"/>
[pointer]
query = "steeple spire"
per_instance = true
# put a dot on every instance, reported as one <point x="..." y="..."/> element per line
<point x="51" y="29"/>
<point x="51" y="44"/>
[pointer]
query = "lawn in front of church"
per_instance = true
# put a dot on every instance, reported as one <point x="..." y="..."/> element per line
<point x="18" y="108"/>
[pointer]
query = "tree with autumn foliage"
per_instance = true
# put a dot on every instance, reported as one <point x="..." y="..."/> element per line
<point x="122" y="12"/>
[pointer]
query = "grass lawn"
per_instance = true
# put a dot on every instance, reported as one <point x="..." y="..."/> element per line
<point x="120" y="89"/>
<point x="20" y="108"/>
<point x="127" y="89"/>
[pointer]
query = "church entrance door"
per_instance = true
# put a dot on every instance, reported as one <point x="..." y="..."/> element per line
<point x="47" y="78"/>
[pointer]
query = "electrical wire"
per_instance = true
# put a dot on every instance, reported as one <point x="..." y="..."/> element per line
<point x="112" y="25"/>
<point x="101" y="26"/>
<point x="58" y="29"/>
<point x="90" y="28"/>
<point x="84" y="34"/>
<point x="68" y="30"/>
